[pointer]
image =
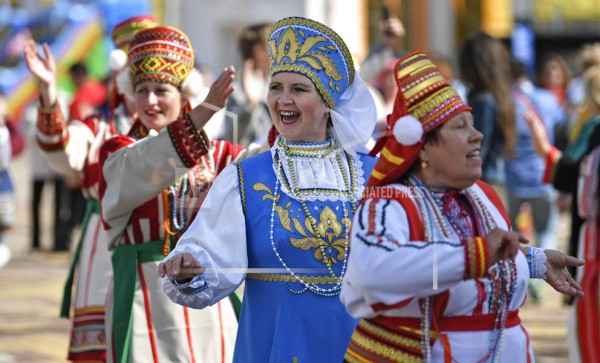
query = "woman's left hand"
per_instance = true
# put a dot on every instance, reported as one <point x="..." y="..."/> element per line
<point x="557" y="275"/>
<point x="217" y="96"/>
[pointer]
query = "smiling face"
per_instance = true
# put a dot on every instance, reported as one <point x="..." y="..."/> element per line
<point x="157" y="104"/>
<point x="297" y="109"/>
<point x="453" y="157"/>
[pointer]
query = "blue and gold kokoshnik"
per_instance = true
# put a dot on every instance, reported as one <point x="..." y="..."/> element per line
<point x="310" y="48"/>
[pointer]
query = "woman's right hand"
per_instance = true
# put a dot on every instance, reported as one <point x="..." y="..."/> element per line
<point x="221" y="88"/>
<point x="180" y="267"/>
<point x="539" y="137"/>
<point x="43" y="69"/>
<point x="503" y="244"/>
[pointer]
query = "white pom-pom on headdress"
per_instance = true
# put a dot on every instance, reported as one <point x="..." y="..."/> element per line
<point x="125" y="83"/>
<point x="408" y="130"/>
<point x="192" y="85"/>
<point x="117" y="60"/>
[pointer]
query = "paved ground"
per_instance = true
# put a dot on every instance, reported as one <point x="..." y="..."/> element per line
<point x="31" y="288"/>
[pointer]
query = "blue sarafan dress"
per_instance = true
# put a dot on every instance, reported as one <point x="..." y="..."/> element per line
<point x="286" y="235"/>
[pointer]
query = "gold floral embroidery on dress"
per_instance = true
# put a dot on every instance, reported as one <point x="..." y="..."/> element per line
<point x="328" y="226"/>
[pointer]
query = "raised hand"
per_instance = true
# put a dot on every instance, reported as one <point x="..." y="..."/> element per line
<point x="539" y="136"/>
<point x="503" y="244"/>
<point x="215" y="100"/>
<point x="180" y="267"/>
<point x="43" y="69"/>
<point x="221" y="89"/>
<point x="557" y="274"/>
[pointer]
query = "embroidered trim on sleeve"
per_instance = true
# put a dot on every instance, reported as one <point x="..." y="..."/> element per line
<point x="536" y="261"/>
<point x="189" y="143"/>
<point x="52" y="131"/>
<point x="476" y="257"/>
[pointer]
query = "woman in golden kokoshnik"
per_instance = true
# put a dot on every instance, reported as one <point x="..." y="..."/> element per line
<point x="285" y="214"/>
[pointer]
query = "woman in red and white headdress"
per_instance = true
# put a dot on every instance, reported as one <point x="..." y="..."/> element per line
<point x="435" y="272"/>
<point x="72" y="149"/>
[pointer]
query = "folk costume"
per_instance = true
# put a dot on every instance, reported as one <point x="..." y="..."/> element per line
<point x="151" y="186"/>
<point x="585" y="320"/>
<point x="280" y="221"/>
<point x="72" y="149"/>
<point x="418" y="275"/>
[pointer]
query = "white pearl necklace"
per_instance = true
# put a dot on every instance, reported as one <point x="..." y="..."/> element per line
<point x="312" y="287"/>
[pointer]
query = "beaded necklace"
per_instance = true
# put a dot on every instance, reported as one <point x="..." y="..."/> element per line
<point x="178" y="222"/>
<point x="503" y="274"/>
<point x="294" y="193"/>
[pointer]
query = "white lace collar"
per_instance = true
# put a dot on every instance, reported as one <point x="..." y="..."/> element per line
<point x="318" y="171"/>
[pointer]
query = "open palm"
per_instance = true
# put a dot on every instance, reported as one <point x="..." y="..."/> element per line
<point x="42" y="68"/>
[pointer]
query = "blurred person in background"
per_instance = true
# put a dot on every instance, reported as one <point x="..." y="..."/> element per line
<point x="43" y="177"/>
<point x="584" y="327"/>
<point x="8" y="202"/>
<point x="248" y="100"/>
<point x="391" y="33"/>
<point x="385" y="88"/>
<point x="587" y="57"/>
<point x="485" y="71"/>
<point x="89" y="94"/>
<point x="554" y="75"/>
<point x="572" y="171"/>
<point x="72" y="148"/>
<point x="525" y="171"/>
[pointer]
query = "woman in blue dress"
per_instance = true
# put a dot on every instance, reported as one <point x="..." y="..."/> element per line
<point x="280" y="221"/>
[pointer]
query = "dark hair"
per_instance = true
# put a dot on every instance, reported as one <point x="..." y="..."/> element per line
<point x="251" y="36"/>
<point x="484" y="68"/>
<point x="430" y="137"/>
<point x="518" y="69"/>
<point x="78" y="69"/>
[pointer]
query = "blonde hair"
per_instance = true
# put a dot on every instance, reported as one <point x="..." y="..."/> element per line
<point x="592" y="89"/>
<point x="588" y="56"/>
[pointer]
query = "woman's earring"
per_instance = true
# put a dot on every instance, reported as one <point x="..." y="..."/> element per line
<point x="424" y="165"/>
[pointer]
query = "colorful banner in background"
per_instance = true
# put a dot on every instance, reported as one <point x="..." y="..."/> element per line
<point x="75" y="43"/>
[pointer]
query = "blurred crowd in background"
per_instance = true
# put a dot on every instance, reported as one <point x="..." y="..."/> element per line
<point x="506" y="59"/>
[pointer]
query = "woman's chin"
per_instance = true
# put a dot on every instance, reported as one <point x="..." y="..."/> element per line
<point x="154" y="123"/>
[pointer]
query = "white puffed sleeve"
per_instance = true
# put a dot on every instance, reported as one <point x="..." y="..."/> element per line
<point x="217" y="240"/>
